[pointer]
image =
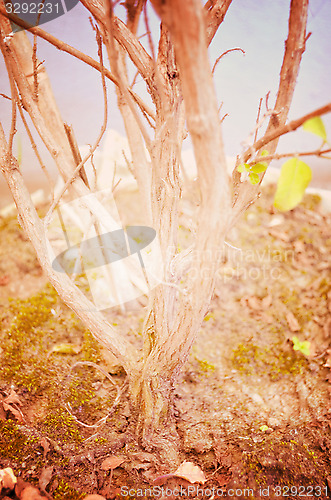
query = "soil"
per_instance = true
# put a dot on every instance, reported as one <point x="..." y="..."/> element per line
<point x="252" y="406"/>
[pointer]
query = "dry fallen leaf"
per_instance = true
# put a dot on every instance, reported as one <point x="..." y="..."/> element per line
<point x="4" y="280"/>
<point x="13" y="398"/>
<point x="190" y="472"/>
<point x="45" y="445"/>
<point x="31" y="493"/>
<point x="292" y="322"/>
<point x="266" y="301"/>
<point x="94" y="497"/>
<point x="254" y="303"/>
<point x="7" y="479"/>
<point x="45" y="477"/>
<point x="16" y="412"/>
<point x="112" y="463"/>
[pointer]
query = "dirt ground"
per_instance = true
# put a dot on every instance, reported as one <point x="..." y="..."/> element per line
<point x="252" y="406"/>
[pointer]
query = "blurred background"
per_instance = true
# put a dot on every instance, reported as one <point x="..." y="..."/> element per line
<point x="259" y="27"/>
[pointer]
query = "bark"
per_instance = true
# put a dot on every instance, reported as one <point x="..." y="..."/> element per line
<point x="244" y="193"/>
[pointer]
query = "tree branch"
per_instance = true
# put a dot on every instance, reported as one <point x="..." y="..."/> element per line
<point x="215" y="16"/>
<point x="285" y="129"/>
<point x="64" y="47"/>
<point x="68" y="292"/>
<point x="244" y="192"/>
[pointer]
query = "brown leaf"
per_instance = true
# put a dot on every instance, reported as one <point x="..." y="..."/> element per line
<point x="13" y="398"/>
<point x="327" y="364"/>
<point x="292" y="322"/>
<point x="7" y="479"/>
<point x="94" y="497"/>
<point x="31" y="493"/>
<point x="45" y="445"/>
<point x="4" y="280"/>
<point x="24" y="491"/>
<point x="16" y="412"/>
<point x="45" y="477"/>
<point x="279" y="235"/>
<point x="254" y="303"/>
<point x="327" y="328"/>
<point x="112" y="463"/>
<point x="190" y="472"/>
<point x="266" y="301"/>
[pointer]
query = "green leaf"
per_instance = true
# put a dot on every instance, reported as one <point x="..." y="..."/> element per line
<point x="259" y="167"/>
<point x="316" y="126"/>
<point x="243" y="167"/>
<point x="295" y="175"/>
<point x="254" y="178"/>
<point x="303" y="347"/>
<point x="264" y="428"/>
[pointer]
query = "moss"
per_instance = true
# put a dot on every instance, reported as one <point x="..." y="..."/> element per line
<point x="311" y="201"/>
<point x="291" y="298"/>
<point x="65" y="491"/>
<point x="61" y="426"/>
<point x="14" y="445"/>
<point x="23" y="344"/>
<point x="249" y="359"/>
<point x="286" y="458"/>
<point x="205" y="366"/>
<point x="91" y="349"/>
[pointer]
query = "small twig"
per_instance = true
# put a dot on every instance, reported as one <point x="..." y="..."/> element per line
<point x="224" y="54"/>
<point x="13" y="107"/>
<point x="60" y="45"/>
<point x="257" y="119"/>
<point x="134" y="79"/>
<point x="36" y="152"/>
<point x="35" y="67"/>
<point x="284" y="129"/>
<point x="97" y="142"/>
<point x="267" y="101"/>
<point x="316" y="152"/>
<point x="149" y="35"/>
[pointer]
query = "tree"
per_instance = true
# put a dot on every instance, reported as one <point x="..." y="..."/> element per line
<point x="179" y="80"/>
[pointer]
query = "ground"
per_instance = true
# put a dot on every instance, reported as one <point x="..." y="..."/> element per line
<point x="252" y="406"/>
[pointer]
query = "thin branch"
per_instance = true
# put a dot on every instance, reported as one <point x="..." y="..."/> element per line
<point x="64" y="47"/>
<point x="244" y="193"/>
<point x="285" y="129"/>
<point x="96" y="144"/>
<point x="316" y="152"/>
<point x="124" y="89"/>
<point x="138" y="55"/>
<point x="149" y="35"/>
<point x="35" y="149"/>
<point x="224" y="54"/>
<point x="215" y="16"/>
<point x="257" y="119"/>
<point x="68" y="292"/>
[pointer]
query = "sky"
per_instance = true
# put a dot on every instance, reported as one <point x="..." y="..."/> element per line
<point x="259" y="27"/>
